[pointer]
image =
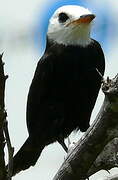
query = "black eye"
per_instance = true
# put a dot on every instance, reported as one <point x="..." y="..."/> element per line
<point x="63" y="17"/>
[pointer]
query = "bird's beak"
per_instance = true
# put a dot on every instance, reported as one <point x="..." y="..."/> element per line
<point x="85" y="19"/>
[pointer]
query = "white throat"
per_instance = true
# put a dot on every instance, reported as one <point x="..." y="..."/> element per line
<point x="79" y="35"/>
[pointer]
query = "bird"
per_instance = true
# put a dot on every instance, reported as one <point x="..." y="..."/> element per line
<point x="65" y="85"/>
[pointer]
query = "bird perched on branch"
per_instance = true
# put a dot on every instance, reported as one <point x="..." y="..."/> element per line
<point x="65" y="85"/>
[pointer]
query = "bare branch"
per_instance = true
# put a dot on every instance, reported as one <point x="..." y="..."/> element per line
<point x="3" y="174"/>
<point x="103" y="130"/>
<point x="107" y="159"/>
<point x="10" y="150"/>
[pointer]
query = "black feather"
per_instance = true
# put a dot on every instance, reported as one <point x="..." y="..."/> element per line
<point x="61" y="98"/>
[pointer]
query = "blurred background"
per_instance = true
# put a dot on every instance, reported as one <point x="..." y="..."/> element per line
<point x="23" y="26"/>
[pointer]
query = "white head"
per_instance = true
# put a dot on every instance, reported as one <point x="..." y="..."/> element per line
<point x="71" y="25"/>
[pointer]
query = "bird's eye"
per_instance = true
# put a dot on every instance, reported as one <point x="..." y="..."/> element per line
<point x="63" y="17"/>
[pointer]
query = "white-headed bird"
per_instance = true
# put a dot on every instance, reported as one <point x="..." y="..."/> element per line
<point x="65" y="85"/>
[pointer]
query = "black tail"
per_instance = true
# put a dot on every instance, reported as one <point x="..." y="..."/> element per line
<point x="26" y="157"/>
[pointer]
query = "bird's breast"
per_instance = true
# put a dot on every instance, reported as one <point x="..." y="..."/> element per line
<point x="74" y="70"/>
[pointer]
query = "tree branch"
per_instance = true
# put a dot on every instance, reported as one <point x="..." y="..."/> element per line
<point x="3" y="174"/>
<point x="103" y="130"/>
<point x="10" y="150"/>
<point x="107" y="159"/>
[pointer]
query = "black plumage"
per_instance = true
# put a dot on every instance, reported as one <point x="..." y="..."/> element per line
<point x="61" y="97"/>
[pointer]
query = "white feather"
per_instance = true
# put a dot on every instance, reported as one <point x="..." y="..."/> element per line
<point x="73" y="34"/>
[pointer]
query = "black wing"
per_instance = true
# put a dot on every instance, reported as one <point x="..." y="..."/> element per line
<point x="39" y="92"/>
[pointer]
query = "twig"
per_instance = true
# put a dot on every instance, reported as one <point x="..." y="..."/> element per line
<point x="10" y="150"/>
